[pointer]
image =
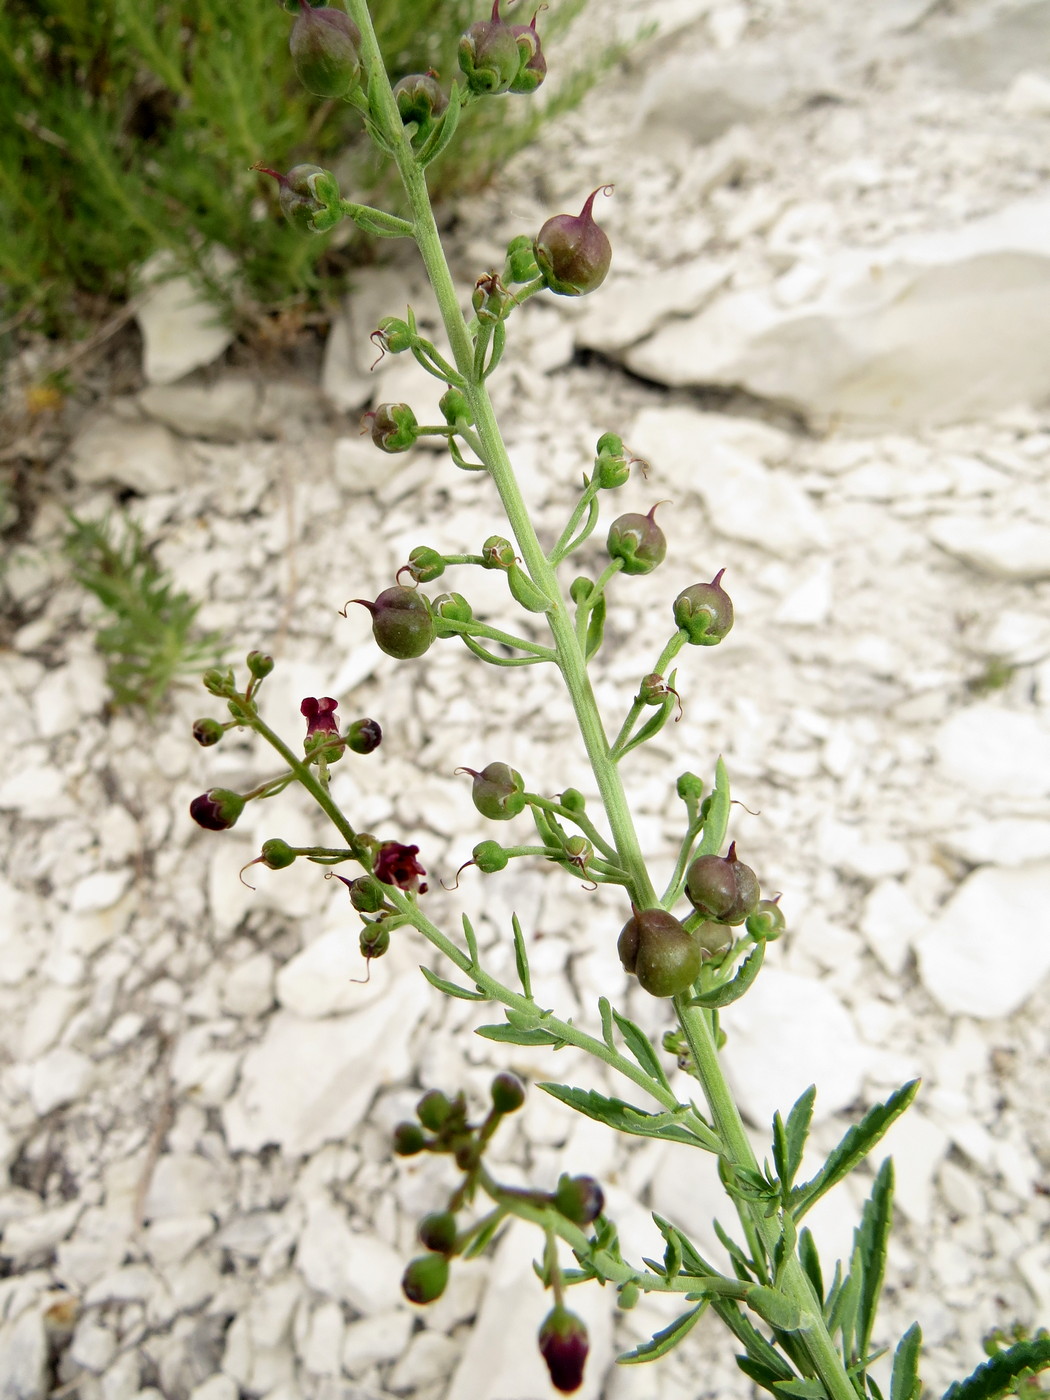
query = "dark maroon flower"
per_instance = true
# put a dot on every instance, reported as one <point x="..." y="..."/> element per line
<point x="217" y="809"/>
<point x="322" y="726"/>
<point x="397" y="865"/>
<point x="564" y="1347"/>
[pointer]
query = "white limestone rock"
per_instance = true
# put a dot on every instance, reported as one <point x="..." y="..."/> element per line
<point x="372" y="1340"/>
<point x="247" y="989"/>
<point x="988" y="951"/>
<point x="1010" y="549"/>
<point x="645" y="302"/>
<point x="889" y="337"/>
<point x="1006" y="841"/>
<point x="225" y="411"/>
<point x="789" y="1032"/>
<point x="181" y="328"/>
<point x="1028" y="96"/>
<point x="184" y="1183"/>
<point x="698" y="453"/>
<point x="991" y="751"/>
<point x="29" y="1235"/>
<point x="60" y="1076"/>
<point x="429" y="1357"/>
<point x="350" y="1266"/>
<point x="890" y="922"/>
<point x="23" y="1346"/>
<point x="308" y="1082"/>
<point x="145" y="457"/>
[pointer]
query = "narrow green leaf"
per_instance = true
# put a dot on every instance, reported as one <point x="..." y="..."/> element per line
<point x="776" y="1308"/>
<point x="842" y="1310"/>
<point x="805" y="1388"/>
<point x="664" y="1340"/>
<point x="762" y="1375"/>
<point x="483" y="1238"/>
<point x="854" y="1147"/>
<point x="904" y="1382"/>
<point x="743" y="1267"/>
<point x="450" y="988"/>
<point x="760" y="1352"/>
<point x="871" y="1239"/>
<point x="810" y="1258"/>
<point x="521" y="957"/>
<point x="651" y="727"/>
<point x="796" y="1133"/>
<point x="734" y="990"/>
<point x="1001" y="1374"/>
<point x="716" y="822"/>
<point x="605" y="1012"/>
<point x="874" y="1390"/>
<point x="443" y="134"/>
<point x="692" y="1262"/>
<point x="595" y="627"/>
<point x="472" y="940"/>
<point x="641" y="1047"/>
<point x="619" y="1115"/>
<point x="511" y="1035"/>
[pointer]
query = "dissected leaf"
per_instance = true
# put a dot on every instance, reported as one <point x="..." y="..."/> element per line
<point x="664" y="1340"/>
<point x="734" y="990"/>
<point x="904" y="1382"/>
<point x="642" y="1049"/>
<point x="624" y="1117"/>
<point x="777" y="1309"/>
<point x="854" y="1147"/>
<point x="521" y="957"/>
<point x="789" y="1141"/>
<point x="450" y="988"/>
<point x="512" y="1035"/>
<point x="1001" y="1373"/>
<point x="871" y="1240"/>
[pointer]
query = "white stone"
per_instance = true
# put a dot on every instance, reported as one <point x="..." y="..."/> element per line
<point x="99" y="890"/>
<point x="992" y="751"/>
<point x="744" y="499"/>
<point x="856" y="852"/>
<point x="217" y="1387"/>
<point x="59" y="1077"/>
<point x="320" y="980"/>
<point x="306" y="1083"/>
<point x="48" y="1014"/>
<point x="170" y="1239"/>
<point x="372" y="1340"/>
<point x="322" y="1350"/>
<point x="36" y="1234"/>
<point x="789" y="1032"/>
<point x="1010" y="549"/>
<point x="93" y="1346"/>
<point x="1028" y="96"/>
<point x="121" y="1380"/>
<point x="23" y="1347"/>
<point x="890" y="922"/>
<point x="143" y="456"/>
<point x="247" y="990"/>
<point x="202" y="1067"/>
<point x="350" y="1266"/>
<point x="999" y="841"/>
<point x="226" y="411"/>
<point x="645" y="302"/>
<point x="429" y="1357"/>
<point x="889" y="338"/>
<point x="360" y="467"/>
<point x="988" y="951"/>
<point x="917" y="1146"/>
<point x="809" y="603"/>
<point x="181" y="328"/>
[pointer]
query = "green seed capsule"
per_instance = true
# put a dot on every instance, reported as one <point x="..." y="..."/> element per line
<point x="660" y="952"/>
<point x="425" y="1278"/>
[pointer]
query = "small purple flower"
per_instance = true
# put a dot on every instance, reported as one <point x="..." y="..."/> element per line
<point x="564" y="1347"/>
<point x="217" y="809"/>
<point x="322" y="726"/>
<point x="397" y="865"/>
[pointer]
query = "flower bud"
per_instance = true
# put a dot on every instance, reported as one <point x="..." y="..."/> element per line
<point x="704" y="611"/>
<point x="393" y="427"/>
<point x="533" y="68"/>
<point x="508" y="1092"/>
<point x="722" y="888"/>
<point x="295" y="195"/>
<point x="713" y="938"/>
<point x="437" y="1231"/>
<point x="425" y="1278"/>
<point x="409" y="1139"/>
<point x="489" y="55"/>
<point x="324" y="46"/>
<point x="767" y="922"/>
<point x="572" y="252"/>
<point x="364" y="736"/>
<point x="277" y="854"/>
<point x="638" y="541"/>
<point x="374" y="940"/>
<point x="424" y="564"/>
<point x="259" y="664"/>
<point x="497" y="553"/>
<point x="397" y="865"/>
<point x="394" y="334"/>
<point x="521" y="260"/>
<point x="207" y="732"/>
<point x="612" y="466"/>
<point x="433" y="1109"/>
<point x="401" y="622"/>
<point x="498" y="791"/>
<point x="564" y="1346"/>
<point x="419" y="99"/>
<point x="689" y="787"/>
<point x="579" y="1198"/>
<point x="217" y="809"/>
<point x="217" y="682"/>
<point x="490" y="857"/>
<point x="366" y="894"/>
<point x="452" y="606"/>
<point x="573" y="800"/>
<point x="660" y="952"/>
<point x="454" y="406"/>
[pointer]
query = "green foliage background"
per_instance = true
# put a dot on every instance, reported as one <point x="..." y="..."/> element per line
<point x="132" y="126"/>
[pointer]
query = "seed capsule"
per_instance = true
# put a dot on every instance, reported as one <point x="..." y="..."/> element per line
<point x="722" y="888"/>
<point x="401" y="622"/>
<point x="638" y="542"/>
<point x="705" y="612"/>
<point x="660" y="952"/>
<point x="573" y="254"/>
<point x="324" y="45"/>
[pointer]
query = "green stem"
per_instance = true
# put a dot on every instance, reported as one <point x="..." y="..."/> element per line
<point x="761" y="1230"/>
<point x="670" y="651"/>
